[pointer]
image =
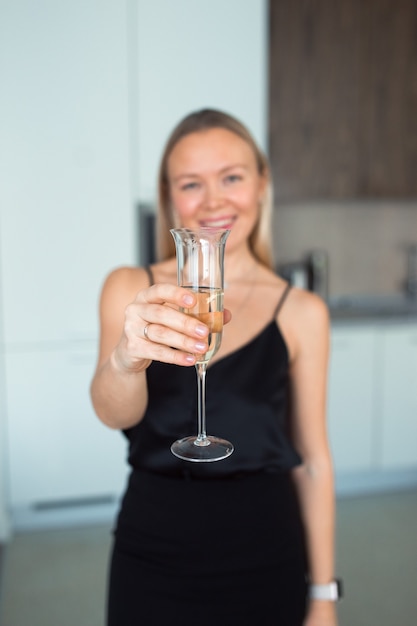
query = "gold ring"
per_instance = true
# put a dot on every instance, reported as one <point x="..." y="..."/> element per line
<point x="145" y="332"/>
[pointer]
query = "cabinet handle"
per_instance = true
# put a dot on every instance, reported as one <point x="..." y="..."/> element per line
<point x="74" y="503"/>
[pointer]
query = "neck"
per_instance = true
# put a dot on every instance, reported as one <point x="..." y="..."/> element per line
<point x="239" y="267"/>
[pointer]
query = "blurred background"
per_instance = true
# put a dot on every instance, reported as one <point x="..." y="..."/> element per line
<point x="89" y="92"/>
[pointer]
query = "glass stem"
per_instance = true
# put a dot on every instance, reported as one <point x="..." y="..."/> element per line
<point x="201" y="386"/>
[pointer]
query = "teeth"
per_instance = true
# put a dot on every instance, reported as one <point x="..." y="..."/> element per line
<point x="218" y="224"/>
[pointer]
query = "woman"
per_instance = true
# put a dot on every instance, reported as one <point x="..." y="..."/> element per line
<point x="240" y="541"/>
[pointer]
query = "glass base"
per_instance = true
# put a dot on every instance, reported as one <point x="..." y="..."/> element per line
<point x="202" y="451"/>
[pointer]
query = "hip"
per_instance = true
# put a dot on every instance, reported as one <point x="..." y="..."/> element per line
<point x="245" y="522"/>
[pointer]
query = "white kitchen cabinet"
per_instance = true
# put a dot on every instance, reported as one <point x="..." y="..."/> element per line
<point x="89" y="94"/>
<point x="59" y="452"/>
<point x="66" y="210"/>
<point x="397" y="397"/>
<point x="351" y="397"/>
<point x="4" y="514"/>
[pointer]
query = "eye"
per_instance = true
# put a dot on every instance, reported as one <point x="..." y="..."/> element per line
<point x="189" y="186"/>
<point x="233" y="178"/>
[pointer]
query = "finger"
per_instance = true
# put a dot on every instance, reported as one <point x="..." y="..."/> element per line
<point x="163" y="315"/>
<point x="150" y="345"/>
<point x="227" y="316"/>
<point x="161" y="293"/>
<point x="166" y="354"/>
<point x="165" y="336"/>
<point x="153" y="342"/>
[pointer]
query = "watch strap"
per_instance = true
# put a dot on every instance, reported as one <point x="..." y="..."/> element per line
<point x="331" y="591"/>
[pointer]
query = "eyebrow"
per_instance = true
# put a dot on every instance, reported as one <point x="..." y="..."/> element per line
<point x="221" y="171"/>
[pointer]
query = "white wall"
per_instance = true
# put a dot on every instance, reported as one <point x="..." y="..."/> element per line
<point x="4" y="514"/>
<point x="193" y="54"/>
<point x="65" y="198"/>
<point x="66" y="214"/>
<point x="90" y="89"/>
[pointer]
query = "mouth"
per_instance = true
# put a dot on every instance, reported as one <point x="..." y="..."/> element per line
<point x="220" y="222"/>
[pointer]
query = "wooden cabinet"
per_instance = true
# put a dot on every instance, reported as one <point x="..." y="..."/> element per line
<point x="342" y="98"/>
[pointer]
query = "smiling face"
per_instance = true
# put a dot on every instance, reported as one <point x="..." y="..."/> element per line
<point x="214" y="181"/>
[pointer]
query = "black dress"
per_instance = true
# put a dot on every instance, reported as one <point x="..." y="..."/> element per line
<point x="212" y="544"/>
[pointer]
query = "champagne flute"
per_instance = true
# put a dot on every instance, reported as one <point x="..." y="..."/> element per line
<point x="200" y="268"/>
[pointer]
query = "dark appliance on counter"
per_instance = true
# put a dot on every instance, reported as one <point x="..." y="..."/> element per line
<point x="310" y="272"/>
<point x="411" y="282"/>
<point x="146" y="227"/>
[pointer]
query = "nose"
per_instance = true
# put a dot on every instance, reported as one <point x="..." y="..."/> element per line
<point x="214" y="196"/>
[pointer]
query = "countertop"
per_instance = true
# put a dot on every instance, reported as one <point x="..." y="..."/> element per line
<point x="374" y="309"/>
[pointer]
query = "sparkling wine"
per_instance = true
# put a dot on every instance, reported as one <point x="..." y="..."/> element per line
<point x="209" y="310"/>
<point x="200" y="269"/>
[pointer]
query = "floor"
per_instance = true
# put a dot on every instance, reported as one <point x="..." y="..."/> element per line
<point x="57" y="578"/>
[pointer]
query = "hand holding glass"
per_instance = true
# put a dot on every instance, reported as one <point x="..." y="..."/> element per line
<point x="200" y="268"/>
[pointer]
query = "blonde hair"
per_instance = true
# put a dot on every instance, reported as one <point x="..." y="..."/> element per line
<point x="260" y="241"/>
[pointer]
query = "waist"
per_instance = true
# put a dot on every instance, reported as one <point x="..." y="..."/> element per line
<point x="139" y="477"/>
<point x="235" y="497"/>
<point x="164" y="518"/>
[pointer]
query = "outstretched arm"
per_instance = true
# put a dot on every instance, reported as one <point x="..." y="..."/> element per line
<point x="314" y="478"/>
<point x="127" y="305"/>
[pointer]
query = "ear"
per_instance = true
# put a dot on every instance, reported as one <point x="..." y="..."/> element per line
<point x="263" y="185"/>
<point x="174" y="217"/>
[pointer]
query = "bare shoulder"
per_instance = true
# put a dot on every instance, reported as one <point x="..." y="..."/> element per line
<point x="121" y="286"/>
<point x="304" y="320"/>
<point x="308" y="308"/>
<point x="124" y="282"/>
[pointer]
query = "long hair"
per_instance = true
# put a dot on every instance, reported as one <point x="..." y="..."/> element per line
<point x="260" y="241"/>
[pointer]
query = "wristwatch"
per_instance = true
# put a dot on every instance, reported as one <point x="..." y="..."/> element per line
<point x="331" y="591"/>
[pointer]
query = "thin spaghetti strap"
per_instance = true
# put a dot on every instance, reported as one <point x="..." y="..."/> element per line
<point x="282" y="300"/>
<point x="149" y="272"/>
